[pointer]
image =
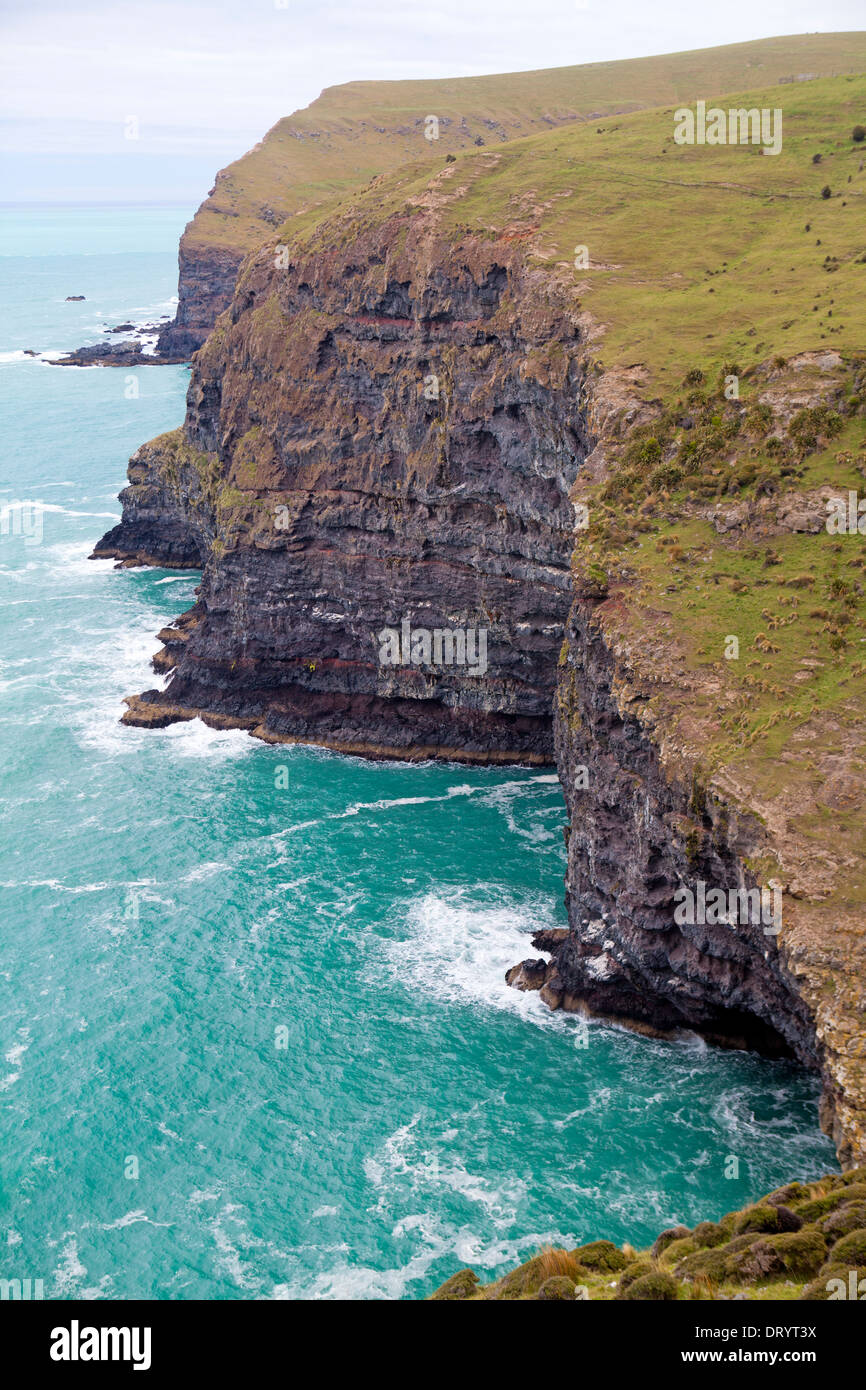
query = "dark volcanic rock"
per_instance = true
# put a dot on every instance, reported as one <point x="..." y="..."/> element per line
<point x="128" y="354"/>
<point x="157" y="527"/>
<point x="528" y="975"/>
<point x="134" y="351"/>
<point x="362" y="449"/>
<point x="389" y="430"/>
<point x="206" y="282"/>
<point x="636" y="836"/>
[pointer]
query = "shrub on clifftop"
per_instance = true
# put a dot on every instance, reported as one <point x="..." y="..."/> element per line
<point x="461" y="1285"/>
<point x="599" y="1255"/>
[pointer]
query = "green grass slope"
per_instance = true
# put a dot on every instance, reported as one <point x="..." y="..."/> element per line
<point x="353" y="132"/>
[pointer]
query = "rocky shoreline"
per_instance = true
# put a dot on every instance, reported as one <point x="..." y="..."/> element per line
<point x="140" y="347"/>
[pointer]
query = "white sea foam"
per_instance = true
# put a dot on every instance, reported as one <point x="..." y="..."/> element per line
<point x="205" y="871"/>
<point x="68" y="560"/>
<point x="598" y="1099"/>
<point x="17" y="355"/>
<point x="70" y="1269"/>
<point x="193" y="739"/>
<point x="436" y="1241"/>
<point x="409" y="1158"/>
<point x="118" y="664"/>
<point x="391" y="803"/>
<point x="37" y="505"/>
<point x="57" y="885"/>
<point x="506" y="798"/>
<point x="457" y="947"/>
<point x="132" y="1218"/>
<point x="383" y="804"/>
<point x="351" y="1281"/>
<point x="228" y="1258"/>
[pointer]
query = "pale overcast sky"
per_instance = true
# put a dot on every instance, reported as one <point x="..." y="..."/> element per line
<point x="206" y="80"/>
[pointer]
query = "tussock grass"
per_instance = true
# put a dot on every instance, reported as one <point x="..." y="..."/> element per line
<point x="553" y="1261"/>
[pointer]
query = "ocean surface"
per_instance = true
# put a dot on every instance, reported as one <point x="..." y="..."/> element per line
<point x="255" y="1039"/>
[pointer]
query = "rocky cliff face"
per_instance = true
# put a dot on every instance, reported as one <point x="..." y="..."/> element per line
<point x="167" y="517"/>
<point x="638" y="830"/>
<point x="380" y="437"/>
<point x="207" y="273"/>
<point x="361" y="130"/>
<point x="642" y="825"/>
<point x="385" y="429"/>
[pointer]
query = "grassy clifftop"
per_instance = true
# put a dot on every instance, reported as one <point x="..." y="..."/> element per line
<point x="353" y="132"/>
<point x="805" y="1241"/>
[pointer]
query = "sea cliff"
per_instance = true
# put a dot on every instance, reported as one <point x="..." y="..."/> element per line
<point x="478" y="396"/>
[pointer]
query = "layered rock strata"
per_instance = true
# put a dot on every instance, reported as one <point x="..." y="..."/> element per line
<point x="643" y="825"/>
<point x="383" y="436"/>
<point x="386" y="430"/>
<point x="207" y="273"/>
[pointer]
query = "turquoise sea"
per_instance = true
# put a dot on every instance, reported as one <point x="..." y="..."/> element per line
<point x="255" y="1040"/>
